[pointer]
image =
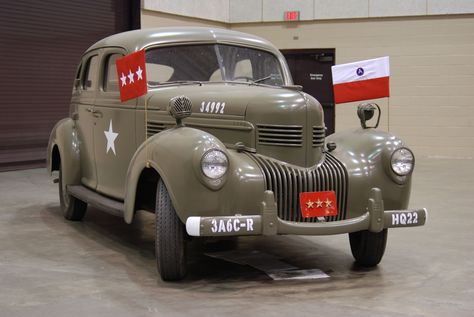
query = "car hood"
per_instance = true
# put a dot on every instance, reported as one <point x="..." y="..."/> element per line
<point x="281" y="123"/>
<point x="222" y="99"/>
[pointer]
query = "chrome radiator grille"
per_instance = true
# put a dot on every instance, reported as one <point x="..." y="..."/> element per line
<point x="287" y="182"/>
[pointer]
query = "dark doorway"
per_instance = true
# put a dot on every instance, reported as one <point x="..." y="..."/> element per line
<point x="41" y="45"/>
<point x="311" y="68"/>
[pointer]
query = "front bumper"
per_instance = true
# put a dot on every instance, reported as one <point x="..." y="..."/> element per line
<point x="267" y="223"/>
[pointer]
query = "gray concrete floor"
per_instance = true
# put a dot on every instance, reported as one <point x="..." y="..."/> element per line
<point x="103" y="267"/>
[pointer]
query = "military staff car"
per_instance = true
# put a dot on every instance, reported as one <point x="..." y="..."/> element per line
<point x="223" y="144"/>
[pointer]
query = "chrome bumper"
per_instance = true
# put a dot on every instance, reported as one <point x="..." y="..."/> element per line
<point x="267" y="223"/>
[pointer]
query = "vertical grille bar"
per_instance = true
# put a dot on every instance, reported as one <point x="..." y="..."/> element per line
<point x="279" y="185"/>
<point x="339" y="167"/>
<point x="287" y="182"/>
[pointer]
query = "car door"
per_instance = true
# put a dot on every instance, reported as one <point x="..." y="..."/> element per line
<point x="83" y="99"/>
<point x="114" y="132"/>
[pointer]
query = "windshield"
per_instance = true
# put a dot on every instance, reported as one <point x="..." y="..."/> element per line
<point x="212" y="63"/>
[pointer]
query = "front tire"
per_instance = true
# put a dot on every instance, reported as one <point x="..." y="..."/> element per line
<point x="368" y="247"/>
<point x="170" y="238"/>
<point x="73" y="208"/>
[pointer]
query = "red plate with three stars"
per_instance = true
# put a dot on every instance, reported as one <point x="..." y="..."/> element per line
<point x="318" y="204"/>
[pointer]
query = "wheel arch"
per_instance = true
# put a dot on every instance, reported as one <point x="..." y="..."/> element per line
<point x="174" y="155"/>
<point x="141" y="186"/>
<point x="166" y="156"/>
<point x="146" y="190"/>
<point x="63" y="148"/>
<point x="55" y="161"/>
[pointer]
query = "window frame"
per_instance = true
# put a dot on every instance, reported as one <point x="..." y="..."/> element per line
<point x="105" y="71"/>
<point x="86" y="71"/>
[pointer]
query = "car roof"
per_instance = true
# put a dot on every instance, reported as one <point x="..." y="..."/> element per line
<point x="136" y="40"/>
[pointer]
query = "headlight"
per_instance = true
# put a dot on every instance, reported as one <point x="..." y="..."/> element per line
<point x="402" y="161"/>
<point x="214" y="164"/>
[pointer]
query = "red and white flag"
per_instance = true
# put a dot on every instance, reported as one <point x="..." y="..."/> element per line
<point x="131" y="73"/>
<point x="362" y="80"/>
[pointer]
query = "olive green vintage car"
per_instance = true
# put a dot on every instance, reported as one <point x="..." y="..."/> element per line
<point x="223" y="144"/>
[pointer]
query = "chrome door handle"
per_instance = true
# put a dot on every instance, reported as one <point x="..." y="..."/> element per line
<point x="97" y="113"/>
<point x="90" y="109"/>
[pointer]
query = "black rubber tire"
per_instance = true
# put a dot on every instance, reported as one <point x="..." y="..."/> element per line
<point x="368" y="247"/>
<point x="73" y="208"/>
<point x="170" y="238"/>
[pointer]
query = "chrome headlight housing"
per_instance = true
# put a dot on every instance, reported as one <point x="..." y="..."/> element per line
<point x="214" y="164"/>
<point x="402" y="161"/>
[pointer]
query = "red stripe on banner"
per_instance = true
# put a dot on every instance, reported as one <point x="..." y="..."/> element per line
<point x="362" y="90"/>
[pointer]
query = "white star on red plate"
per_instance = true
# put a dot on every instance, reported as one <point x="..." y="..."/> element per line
<point x="130" y="76"/>
<point x="139" y="73"/>
<point x="123" y="79"/>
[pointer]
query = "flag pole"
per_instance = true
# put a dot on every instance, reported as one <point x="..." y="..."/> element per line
<point x="147" y="163"/>
<point x="388" y="113"/>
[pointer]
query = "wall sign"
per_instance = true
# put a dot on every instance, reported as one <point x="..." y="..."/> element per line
<point x="292" y="16"/>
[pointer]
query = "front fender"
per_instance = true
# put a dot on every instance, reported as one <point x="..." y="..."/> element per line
<point x="175" y="155"/>
<point x="366" y="155"/>
<point x="64" y="138"/>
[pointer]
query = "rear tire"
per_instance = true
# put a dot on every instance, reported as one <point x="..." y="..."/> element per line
<point x="368" y="247"/>
<point x="73" y="208"/>
<point x="170" y="238"/>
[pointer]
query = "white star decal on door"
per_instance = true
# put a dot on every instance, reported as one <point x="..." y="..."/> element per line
<point x="111" y="136"/>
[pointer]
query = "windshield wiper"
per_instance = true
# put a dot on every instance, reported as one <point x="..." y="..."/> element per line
<point x="271" y="76"/>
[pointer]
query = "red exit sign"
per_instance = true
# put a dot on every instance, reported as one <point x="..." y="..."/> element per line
<point x="292" y="15"/>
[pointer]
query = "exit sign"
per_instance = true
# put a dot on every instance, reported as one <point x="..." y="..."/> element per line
<point x="292" y="16"/>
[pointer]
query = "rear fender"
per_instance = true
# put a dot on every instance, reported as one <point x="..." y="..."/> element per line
<point x="63" y="140"/>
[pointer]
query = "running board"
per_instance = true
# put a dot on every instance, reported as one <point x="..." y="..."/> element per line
<point x="108" y="205"/>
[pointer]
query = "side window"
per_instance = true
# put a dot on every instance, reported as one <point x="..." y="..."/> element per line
<point x="110" y="73"/>
<point x="77" y="79"/>
<point x="90" y="75"/>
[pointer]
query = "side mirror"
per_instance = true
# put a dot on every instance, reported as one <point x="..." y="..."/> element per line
<point x="180" y="108"/>
<point x="366" y="111"/>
